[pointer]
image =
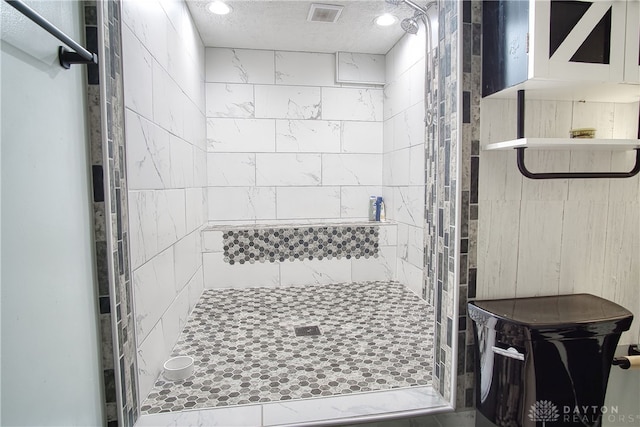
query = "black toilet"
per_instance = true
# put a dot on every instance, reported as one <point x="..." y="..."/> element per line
<point x="544" y="361"/>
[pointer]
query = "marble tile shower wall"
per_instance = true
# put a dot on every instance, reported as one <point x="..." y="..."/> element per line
<point x="403" y="161"/>
<point x="285" y="142"/>
<point x="166" y="152"/>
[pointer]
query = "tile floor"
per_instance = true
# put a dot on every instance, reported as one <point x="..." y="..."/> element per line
<point x="373" y="336"/>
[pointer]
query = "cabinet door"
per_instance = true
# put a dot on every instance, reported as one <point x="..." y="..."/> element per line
<point x="583" y="39"/>
<point x="632" y="54"/>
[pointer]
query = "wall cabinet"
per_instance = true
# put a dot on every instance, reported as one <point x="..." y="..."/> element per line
<point x="562" y="49"/>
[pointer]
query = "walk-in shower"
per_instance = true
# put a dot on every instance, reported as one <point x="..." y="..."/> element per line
<point x="295" y="141"/>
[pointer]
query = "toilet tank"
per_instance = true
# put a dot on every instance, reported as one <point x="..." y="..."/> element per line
<point x="544" y="360"/>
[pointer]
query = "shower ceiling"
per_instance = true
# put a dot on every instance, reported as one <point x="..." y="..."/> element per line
<point x="283" y="25"/>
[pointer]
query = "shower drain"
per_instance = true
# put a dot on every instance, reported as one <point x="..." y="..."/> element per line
<point x="305" y="331"/>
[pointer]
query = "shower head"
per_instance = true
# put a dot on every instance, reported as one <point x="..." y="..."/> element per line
<point x="410" y="25"/>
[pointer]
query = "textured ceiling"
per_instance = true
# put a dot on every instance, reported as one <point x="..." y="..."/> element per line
<point x="283" y="25"/>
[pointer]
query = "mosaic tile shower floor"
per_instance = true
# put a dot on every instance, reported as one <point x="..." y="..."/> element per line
<point x="374" y="336"/>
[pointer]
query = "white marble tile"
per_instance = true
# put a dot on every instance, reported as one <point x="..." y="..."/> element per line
<point x="230" y="100"/>
<point x="305" y="68"/>
<point x="167" y="101"/>
<point x="148" y="154"/>
<point x="397" y="96"/>
<point x="154" y="288"/>
<point x="212" y="241"/>
<point x="583" y="245"/>
<point x="149" y="23"/>
<point x="395" y="167"/>
<point x="498" y="234"/>
<point x="171" y="217"/>
<point x="150" y="357"/>
<point x="381" y="268"/>
<point x="137" y="74"/>
<point x="284" y="169"/>
<point x="388" y="135"/>
<point x="231" y="169"/>
<point x="241" y="203"/>
<point x="388" y="234"/>
<point x="351" y="169"/>
<point x="411" y="276"/>
<point x="195" y="287"/>
<point x="239" y="416"/>
<point x="143" y="227"/>
<point x="354" y="200"/>
<point x="417" y="81"/>
<point x="308" y="202"/>
<point x="315" y="136"/>
<point x="415" y="246"/>
<point x="408" y="205"/>
<point x="194" y="132"/>
<point x="352" y="104"/>
<point x="362" y="137"/>
<point x="187" y="257"/>
<point x="241" y="135"/>
<point x="409" y="127"/>
<point x="287" y="102"/>
<point x="225" y="65"/>
<point x="301" y="412"/>
<point x="309" y="272"/>
<point x="360" y="68"/>
<point x="195" y="200"/>
<point x="174" y="319"/>
<point x="199" y="167"/>
<point x="539" y="248"/>
<point x="416" y="165"/>
<point x="219" y="274"/>
<point x="181" y="163"/>
<point x="403" y="241"/>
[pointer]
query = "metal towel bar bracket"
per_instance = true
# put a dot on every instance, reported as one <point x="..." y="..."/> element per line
<point x="562" y="175"/>
<point x="570" y="175"/>
<point x="79" y="55"/>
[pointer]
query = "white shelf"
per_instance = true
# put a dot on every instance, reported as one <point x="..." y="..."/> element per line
<point x="571" y="90"/>
<point x="566" y="144"/>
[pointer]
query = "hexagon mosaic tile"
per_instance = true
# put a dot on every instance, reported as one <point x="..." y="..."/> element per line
<point x="278" y="244"/>
<point x="373" y="336"/>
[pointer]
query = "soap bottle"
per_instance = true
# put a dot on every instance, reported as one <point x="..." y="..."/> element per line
<point x="383" y="213"/>
<point x="379" y="207"/>
<point x="372" y="208"/>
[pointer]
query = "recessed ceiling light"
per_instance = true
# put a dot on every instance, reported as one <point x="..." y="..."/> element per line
<point x="219" y="8"/>
<point x="386" y="20"/>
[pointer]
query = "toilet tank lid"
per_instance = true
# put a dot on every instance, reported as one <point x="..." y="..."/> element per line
<point x="554" y="311"/>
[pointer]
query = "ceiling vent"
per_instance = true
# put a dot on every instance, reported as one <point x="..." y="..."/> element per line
<point x="324" y="13"/>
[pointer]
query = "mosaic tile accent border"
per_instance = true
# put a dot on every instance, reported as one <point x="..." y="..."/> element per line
<point x="471" y="94"/>
<point x="298" y="243"/>
<point x="104" y="89"/>
<point x="374" y="336"/>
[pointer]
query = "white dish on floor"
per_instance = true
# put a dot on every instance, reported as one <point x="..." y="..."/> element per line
<point x="178" y="368"/>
